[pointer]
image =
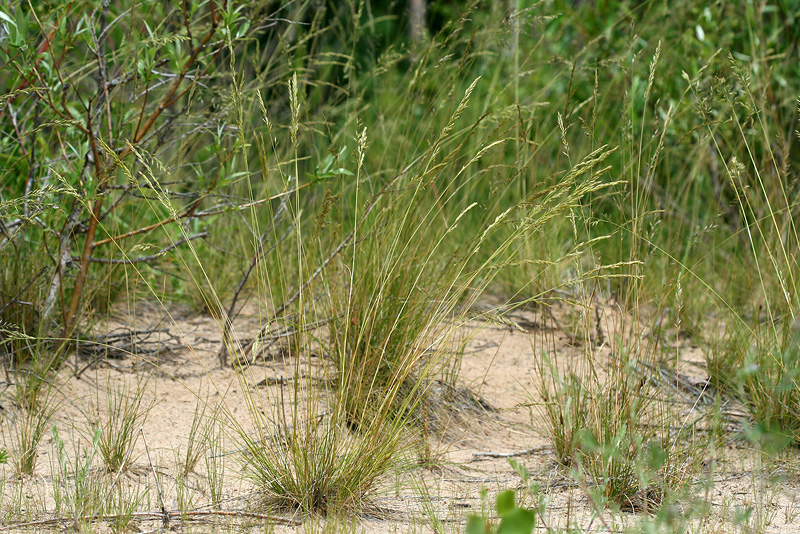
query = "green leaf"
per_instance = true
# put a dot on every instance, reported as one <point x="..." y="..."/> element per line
<point x="518" y="521"/>
<point x="476" y="525"/>
<point x="8" y="19"/>
<point x="505" y="502"/>
<point x="149" y="31"/>
<point x="520" y="469"/>
<point x="243" y="29"/>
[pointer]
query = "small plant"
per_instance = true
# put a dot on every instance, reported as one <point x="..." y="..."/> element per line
<point x="761" y="368"/>
<point x="565" y="408"/>
<point x="321" y="468"/>
<point x="184" y="495"/>
<point x="610" y="435"/>
<point x="769" y="385"/>
<point x="28" y="431"/>
<point x="80" y="488"/>
<point x="30" y="426"/>
<point x="121" y="503"/>
<point x="612" y="465"/>
<point x="120" y="425"/>
<point x="195" y="446"/>
<point x="215" y="459"/>
<point x="513" y="519"/>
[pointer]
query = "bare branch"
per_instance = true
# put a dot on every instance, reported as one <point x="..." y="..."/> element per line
<point x="144" y="259"/>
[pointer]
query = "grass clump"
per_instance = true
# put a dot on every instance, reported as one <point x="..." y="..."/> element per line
<point x="565" y="405"/>
<point x="214" y="443"/>
<point x="400" y="290"/>
<point x="83" y="485"/>
<point x="29" y="428"/>
<point x="323" y="469"/>
<point x="120" y="424"/>
<point x="769" y="384"/>
<point x="614" y="429"/>
<point x="34" y="399"/>
<point x="610" y="441"/>
<point x="762" y="372"/>
<point x="393" y="306"/>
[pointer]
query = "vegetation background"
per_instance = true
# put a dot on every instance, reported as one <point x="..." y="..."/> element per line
<point x="363" y="173"/>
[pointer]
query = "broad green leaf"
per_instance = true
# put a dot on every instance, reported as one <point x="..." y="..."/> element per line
<point x="476" y="525"/>
<point x="518" y="521"/>
<point x="505" y="502"/>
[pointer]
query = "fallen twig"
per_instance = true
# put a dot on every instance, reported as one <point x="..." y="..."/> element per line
<point x="126" y="343"/>
<point x="174" y="514"/>
<point x="266" y="340"/>
<point x="526" y="452"/>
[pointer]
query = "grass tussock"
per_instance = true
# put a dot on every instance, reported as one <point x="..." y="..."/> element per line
<point x="119" y="425"/>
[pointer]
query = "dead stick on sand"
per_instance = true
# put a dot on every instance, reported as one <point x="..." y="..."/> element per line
<point x="526" y="452"/>
<point x="154" y="515"/>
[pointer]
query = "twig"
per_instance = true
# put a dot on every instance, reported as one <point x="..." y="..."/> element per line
<point x="105" y="347"/>
<point x="700" y="393"/>
<point x="63" y="261"/>
<point x="155" y="515"/>
<point x="16" y="297"/>
<point x="44" y="47"/>
<point x="302" y="288"/>
<point x="71" y="318"/>
<point x="186" y="213"/>
<point x="143" y="259"/>
<point x="102" y="66"/>
<point x="189" y="214"/>
<point x="525" y="452"/>
<point x="260" y="253"/>
<point x="241" y="207"/>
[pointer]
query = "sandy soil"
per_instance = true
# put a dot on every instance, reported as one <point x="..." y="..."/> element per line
<point x="182" y="374"/>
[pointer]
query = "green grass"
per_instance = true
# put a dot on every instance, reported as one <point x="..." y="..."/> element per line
<point x="82" y="495"/>
<point x="119" y="424"/>
<point x="363" y="193"/>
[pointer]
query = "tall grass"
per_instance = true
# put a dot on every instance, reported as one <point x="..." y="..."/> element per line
<point x="364" y="195"/>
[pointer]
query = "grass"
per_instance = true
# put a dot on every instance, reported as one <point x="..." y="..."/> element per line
<point x="214" y="460"/>
<point x="615" y="434"/>
<point x="83" y="495"/>
<point x="27" y="433"/>
<point x="120" y="424"/>
<point x="35" y="400"/>
<point x="627" y="166"/>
